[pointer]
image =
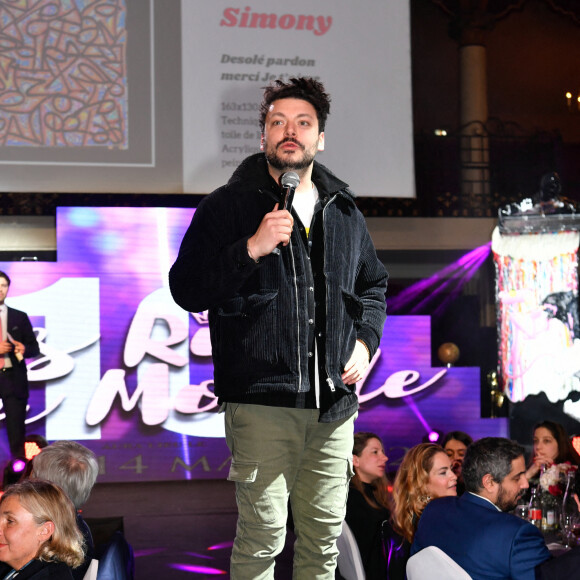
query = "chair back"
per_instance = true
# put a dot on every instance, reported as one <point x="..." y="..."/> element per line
<point x="117" y="561"/>
<point x="91" y="573"/>
<point x="431" y="563"/>
<point x="349" y="562"/>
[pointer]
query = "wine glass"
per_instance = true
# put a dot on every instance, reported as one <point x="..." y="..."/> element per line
<point x="570" y="529"/>
<point x="521" y="511"/>
<point x="568" y="538"/>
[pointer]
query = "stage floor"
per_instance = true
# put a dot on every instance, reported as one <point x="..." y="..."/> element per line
<point x="178" y="529"/>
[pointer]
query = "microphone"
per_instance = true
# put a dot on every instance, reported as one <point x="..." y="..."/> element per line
<point x="289" y="182"/>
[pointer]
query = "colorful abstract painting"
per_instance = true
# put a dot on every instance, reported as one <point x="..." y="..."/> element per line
<point x="537" y="306"/>
<point x="63" y="73"/>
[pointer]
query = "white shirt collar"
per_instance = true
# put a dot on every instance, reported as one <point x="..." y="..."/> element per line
<point x="476" y="495"/>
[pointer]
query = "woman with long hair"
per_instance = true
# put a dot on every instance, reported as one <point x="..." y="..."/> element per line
<point x="424" y="474"/>
<point x="551" y="445"/>
<point x="369" y="462"/>
<point x="369" y="502"/>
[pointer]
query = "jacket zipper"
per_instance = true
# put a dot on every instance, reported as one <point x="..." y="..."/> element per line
<point x="329" y="380"/>
<point x="297" y="316"/>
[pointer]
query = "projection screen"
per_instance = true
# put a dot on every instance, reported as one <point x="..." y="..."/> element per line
<point x="161" y="96"/>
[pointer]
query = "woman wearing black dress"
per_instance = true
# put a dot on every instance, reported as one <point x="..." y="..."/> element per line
<point x="368" y="508"/>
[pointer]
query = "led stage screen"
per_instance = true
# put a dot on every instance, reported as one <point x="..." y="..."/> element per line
<point x="128" y="373"/>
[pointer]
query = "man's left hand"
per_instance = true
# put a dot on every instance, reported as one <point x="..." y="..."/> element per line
<point x="357" y="364"/>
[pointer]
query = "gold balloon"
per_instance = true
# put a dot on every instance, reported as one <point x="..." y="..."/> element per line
<point x="448" y="353"/>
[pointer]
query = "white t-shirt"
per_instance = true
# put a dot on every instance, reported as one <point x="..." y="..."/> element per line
<point x="303" y="205"/>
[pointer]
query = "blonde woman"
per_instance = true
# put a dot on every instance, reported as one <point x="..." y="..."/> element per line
<point x="424" y="474"/>
<point x="39" y="537"/>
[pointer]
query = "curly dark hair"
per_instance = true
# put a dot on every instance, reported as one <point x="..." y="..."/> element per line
<point x="305" y="88"/>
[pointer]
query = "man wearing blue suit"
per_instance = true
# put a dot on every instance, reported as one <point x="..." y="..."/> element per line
<point x="474" y="529"/>
<point x="17" y="340"/>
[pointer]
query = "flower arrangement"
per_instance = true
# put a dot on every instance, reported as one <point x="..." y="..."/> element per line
<point x="553" y="480"/>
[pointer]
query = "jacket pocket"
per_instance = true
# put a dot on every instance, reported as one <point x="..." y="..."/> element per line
<point x="352" y="318"/>
<point x="246" y="333"/>
<point x="353" y="305"/>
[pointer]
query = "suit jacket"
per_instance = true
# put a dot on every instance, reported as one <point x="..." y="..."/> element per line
<point x="487" y="543"/>
<point x="20" y="329"/>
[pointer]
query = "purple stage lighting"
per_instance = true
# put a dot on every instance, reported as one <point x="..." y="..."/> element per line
<point x="18" y="465"/>
<point x="451" y="279"/>
<point x="199" y="569"/>
<point x="221" y="546"/>
<point x="433" y="437"/>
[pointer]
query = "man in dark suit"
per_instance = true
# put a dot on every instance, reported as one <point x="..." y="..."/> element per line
<point x="17" y="340"/>
<point x="474" y="529"/>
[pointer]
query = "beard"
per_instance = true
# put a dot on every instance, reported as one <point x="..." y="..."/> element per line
<point x="281" y="164"/>
<point x="506" y="503"/>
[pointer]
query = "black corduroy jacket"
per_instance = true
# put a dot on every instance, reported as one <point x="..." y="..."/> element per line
<point x="259" y="313"/>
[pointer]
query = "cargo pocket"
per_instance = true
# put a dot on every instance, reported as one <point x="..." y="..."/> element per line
<point x="341" y="494"/>
<point x="252" y="496"/>
<point x="243" y="472"/>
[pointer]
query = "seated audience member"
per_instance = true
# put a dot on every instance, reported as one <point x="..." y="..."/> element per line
<point x="551" y="445"/>
<point x="39" y="535"/>
<point x="369" y="502"/>
<point x="74" y="468"/>
<point x="425" y="473"/>
<point x="455" y="444"/>
<point x="474" y="529"/>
